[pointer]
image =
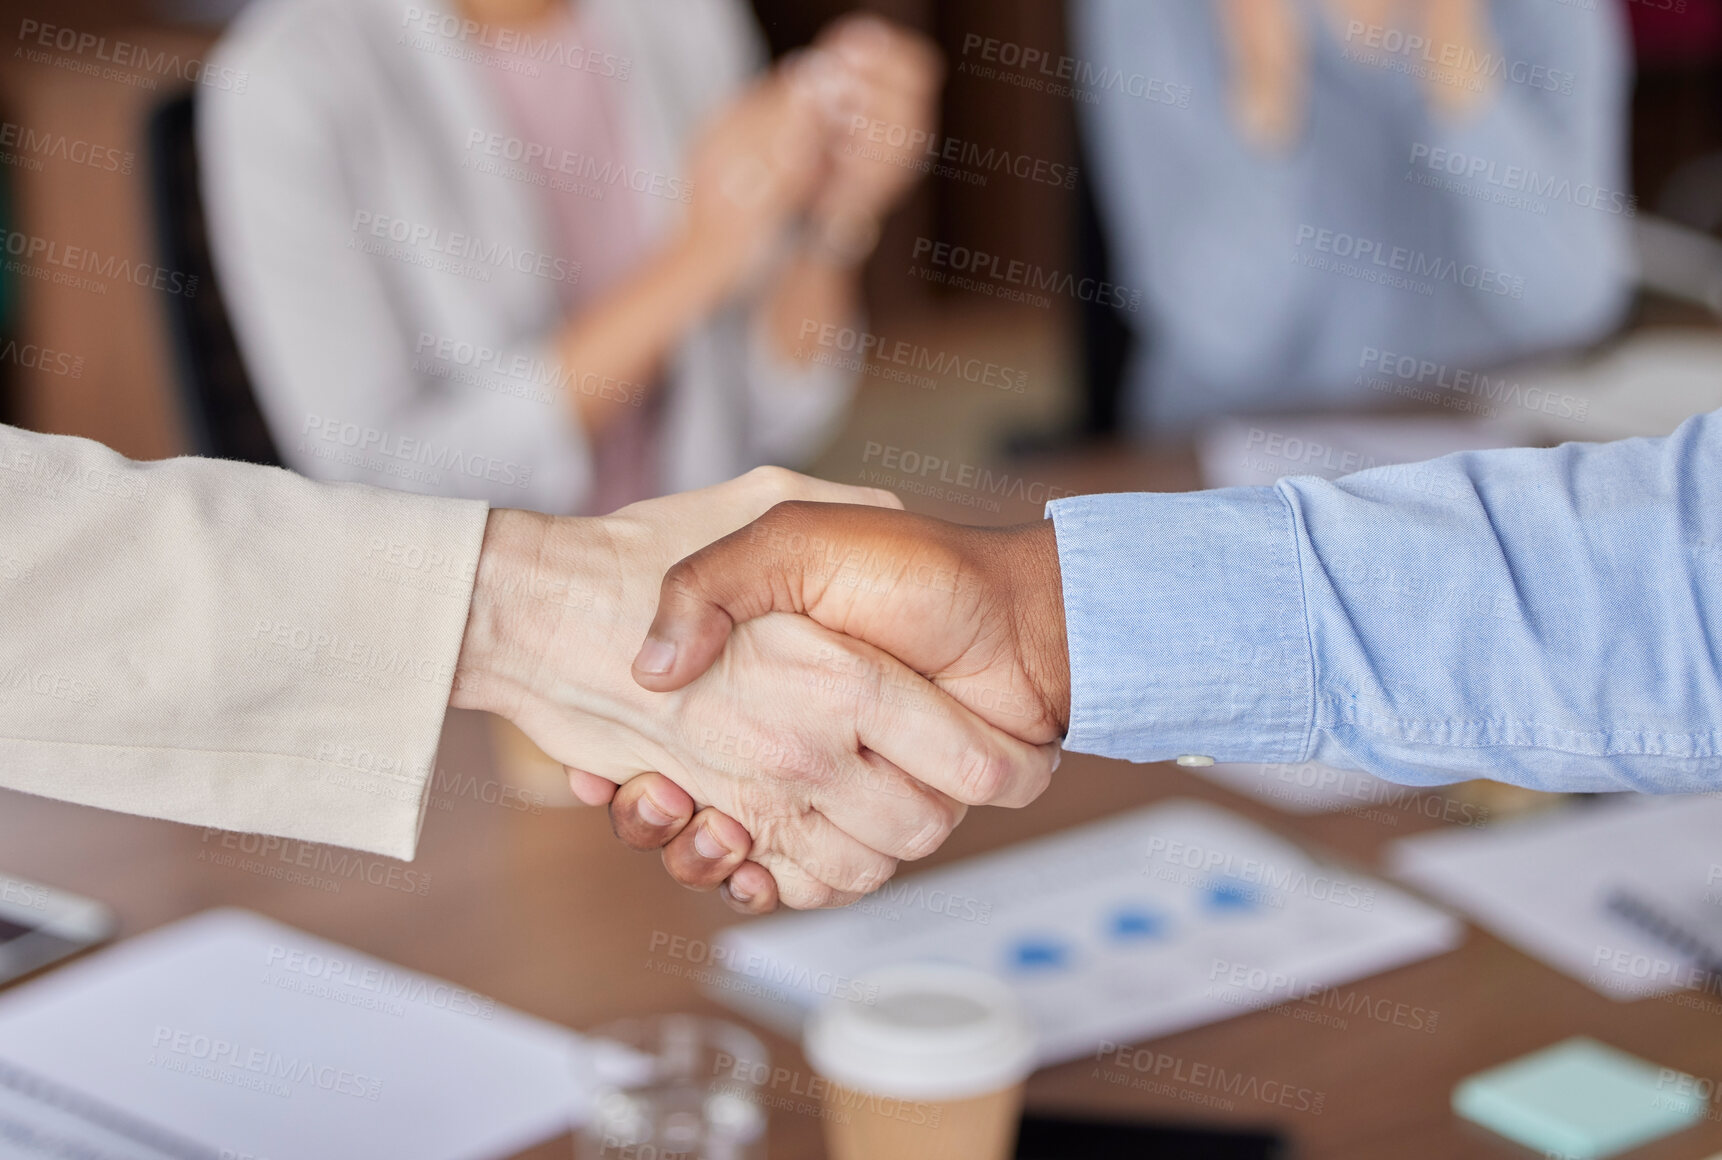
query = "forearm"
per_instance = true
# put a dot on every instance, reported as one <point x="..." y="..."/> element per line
<point x="818" y="288"/>
<point x="1542" y="617"/>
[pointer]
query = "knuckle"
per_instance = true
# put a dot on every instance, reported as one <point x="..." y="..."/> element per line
<point x="1042" y="781"/>
<point x="790" y="510"/>
<point x="806" y="768"/>
<point x="760" y="812"/>
<point x="682" y="579"/>
<point x="877" y="780"/>
<point x="859" y="873"/>
<point x="856" y="681"/>
<point x="774" y="529"/>
<point x="873" y="877"/>
<point x="841" y="882"/>
<point x="932" y="834"/>
<point x="1025" y="787"/>
<point x="771" y="480"/>
<point x="983" y="776"/>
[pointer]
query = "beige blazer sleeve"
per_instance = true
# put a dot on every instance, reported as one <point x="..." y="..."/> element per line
<point x="226" y="645"/>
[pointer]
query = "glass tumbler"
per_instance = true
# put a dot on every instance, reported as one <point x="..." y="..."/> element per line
<point x="676" y="1087"/>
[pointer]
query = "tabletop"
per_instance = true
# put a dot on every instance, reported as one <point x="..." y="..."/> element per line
<point x="537" y="906"/>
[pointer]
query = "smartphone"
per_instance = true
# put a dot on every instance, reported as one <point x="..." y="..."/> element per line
<point x="40" y="926"/>
<point x="1068" y="1138"/>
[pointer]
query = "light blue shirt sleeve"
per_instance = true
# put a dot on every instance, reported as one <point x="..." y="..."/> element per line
<point x="1546" y="617"/>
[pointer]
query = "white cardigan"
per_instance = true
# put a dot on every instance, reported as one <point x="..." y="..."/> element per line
<point x="367" y="107"/>
<point x="226" y="645"/>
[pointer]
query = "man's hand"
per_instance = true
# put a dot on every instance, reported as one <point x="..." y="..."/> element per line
<point x="978" y="610"/>
<point x="828" y="752"/>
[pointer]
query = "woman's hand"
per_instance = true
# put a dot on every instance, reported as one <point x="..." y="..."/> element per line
<point x="881" y="107"/>
<point x="753" y="172"/>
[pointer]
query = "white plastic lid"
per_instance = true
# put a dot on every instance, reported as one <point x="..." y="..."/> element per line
<point x="928" y="1031"/>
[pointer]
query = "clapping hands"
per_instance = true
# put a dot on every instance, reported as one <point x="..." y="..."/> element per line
<point x="785" y="153"/>
<point x="1269" y="52"/>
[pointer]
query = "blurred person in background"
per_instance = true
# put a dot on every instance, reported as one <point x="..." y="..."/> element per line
<point x="558" y="254"/>
<point x="1285" y="182"/>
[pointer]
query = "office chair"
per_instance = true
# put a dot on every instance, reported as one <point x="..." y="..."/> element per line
<point x="1107" y="339"/>
<point x="220" y="409"/>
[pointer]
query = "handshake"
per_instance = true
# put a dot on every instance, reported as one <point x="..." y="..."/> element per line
<point x="791" y="710"/>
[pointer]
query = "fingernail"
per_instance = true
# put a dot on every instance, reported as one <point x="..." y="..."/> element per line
<point x="736" y="894"/>
<point x="655" y="814"/>
<point x="708" y="846"/>
<point x="656" y="656"/>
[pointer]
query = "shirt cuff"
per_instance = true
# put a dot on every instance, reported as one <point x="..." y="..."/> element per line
<point x="1185" y="618"/>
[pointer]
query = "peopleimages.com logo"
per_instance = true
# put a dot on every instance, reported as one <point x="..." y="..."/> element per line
<point x="1397" y="47"/>
<point x="1380" y="260"/>
<point x="1518" y="184"/>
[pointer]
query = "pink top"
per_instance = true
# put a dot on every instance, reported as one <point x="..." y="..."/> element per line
<point x="575" y="114"/>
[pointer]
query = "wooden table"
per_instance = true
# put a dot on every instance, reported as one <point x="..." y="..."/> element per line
<point x="545" y="912"/>
<point x="548" y="914"/>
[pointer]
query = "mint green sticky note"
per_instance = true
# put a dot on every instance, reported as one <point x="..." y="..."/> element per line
<point x="1580" y="1099"/>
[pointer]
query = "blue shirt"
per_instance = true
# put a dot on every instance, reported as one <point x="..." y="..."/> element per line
<point x="1267" y="279"/>
<point x="1546" y="617"/>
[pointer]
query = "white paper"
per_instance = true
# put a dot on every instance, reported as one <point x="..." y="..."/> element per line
<point x="1115" y="931"/>
<point x="39" y="1120"/>
<point x="318" y="1061"/>
<point x="1543" y="883"/>
<point x="1646" y="384"/>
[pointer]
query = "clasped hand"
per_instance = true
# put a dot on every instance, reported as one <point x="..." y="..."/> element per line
<point x="979" y="612"/>
<point x="795" y="757"/>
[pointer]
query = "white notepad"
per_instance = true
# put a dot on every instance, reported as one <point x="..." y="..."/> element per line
<point x="1544" y="883"/>
<point x="1141" y="925"/>
<point x="229" y="1035"/>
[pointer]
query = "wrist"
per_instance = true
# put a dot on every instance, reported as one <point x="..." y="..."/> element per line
<point x="705" y="265"/>
<point x="840" y="238"/>
<point x="1036" y="599"/>
<point x="498" y="651"/>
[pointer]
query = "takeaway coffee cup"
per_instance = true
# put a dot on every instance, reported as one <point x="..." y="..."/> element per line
<point x="927" y="1064"/>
